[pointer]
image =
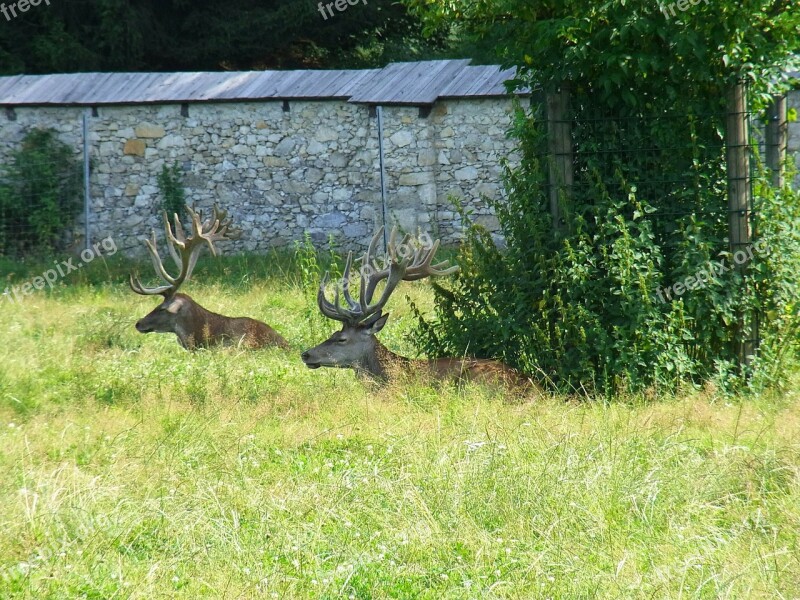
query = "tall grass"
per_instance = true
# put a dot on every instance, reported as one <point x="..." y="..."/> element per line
<point x="131" y="468"/>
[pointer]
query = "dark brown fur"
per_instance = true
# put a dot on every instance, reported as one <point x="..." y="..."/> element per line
<point x="355" y="347"/>
<point x="197" y="327"/>
<point x="482" y="370"/>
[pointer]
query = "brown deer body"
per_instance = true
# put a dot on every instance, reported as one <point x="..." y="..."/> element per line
<point x="371" y="359"/>
<point x="355" y="346"/>
<point x="195" y="326"/>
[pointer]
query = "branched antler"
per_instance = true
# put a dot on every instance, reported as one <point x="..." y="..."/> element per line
<point x="402" y="262"/>
<point x="184" y="250"/>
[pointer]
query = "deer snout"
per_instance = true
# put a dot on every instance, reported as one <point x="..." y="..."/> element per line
<point x="141" y="327"/>
<point x="306" y="356"/>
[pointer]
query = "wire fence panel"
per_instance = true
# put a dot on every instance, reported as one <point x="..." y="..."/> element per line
<point x="41" y="175"/>
<point x="284" y="170"/>
<point x="41" y="199"/>
<point x="625" y="157"/>
<point x="674" y="171"/>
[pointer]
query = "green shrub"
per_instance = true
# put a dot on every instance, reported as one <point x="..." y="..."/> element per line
<point x="648" y="90"/>
<point x="775" y="284"/>
<point x="580" y="308"/>
<point x="170" y="182"/>
<point x="39" y="195"/>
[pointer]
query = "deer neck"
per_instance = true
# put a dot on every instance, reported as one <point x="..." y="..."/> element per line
<point x="196" y="326"/>
<point x="380" y="362"/>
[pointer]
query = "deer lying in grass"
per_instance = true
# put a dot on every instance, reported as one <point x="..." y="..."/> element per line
<point x="355" y="346"/>
<point x="178" y="313"/>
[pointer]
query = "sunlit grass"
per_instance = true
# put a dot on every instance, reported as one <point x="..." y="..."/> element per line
<point x="131" y="468"/>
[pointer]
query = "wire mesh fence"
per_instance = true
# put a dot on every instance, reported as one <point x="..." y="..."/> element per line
<point x="690" y="176"/>
<point x="673" y="173"/>
<point x="41" y="195"/>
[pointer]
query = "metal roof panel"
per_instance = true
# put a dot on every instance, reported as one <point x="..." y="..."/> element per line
<point x="397" y="83"/>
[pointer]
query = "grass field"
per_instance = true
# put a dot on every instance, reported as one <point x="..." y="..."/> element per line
<point x="130" y="468"/>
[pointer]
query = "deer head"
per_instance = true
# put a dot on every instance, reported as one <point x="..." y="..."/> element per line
<point x="354" y="345"/>
<point x="168" y="316"/>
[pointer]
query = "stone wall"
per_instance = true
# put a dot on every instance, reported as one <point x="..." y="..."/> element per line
<point x="313" y="168"/>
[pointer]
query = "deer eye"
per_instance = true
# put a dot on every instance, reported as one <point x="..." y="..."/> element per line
<point x="342" y="340"/>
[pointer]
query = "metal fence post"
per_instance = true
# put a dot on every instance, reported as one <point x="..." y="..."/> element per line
<point x="379" y="112"/>
<point x="86" y="187"/>
<point x="559" y="142"/>
<point x="776" y="138"/>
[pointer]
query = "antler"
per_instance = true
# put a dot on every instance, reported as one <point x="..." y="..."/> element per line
<point x="184" y="251"/>
<point x="403" y="262"/>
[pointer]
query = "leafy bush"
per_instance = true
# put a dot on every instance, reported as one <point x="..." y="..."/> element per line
<point x="170" y="182"/>
<point x="579" y="305"/>
<point x="773" y="295"/>
<point x="580" y="308"/>
<point x="39" y="194"/>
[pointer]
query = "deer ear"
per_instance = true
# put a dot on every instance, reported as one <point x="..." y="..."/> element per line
<point x="377" y="325"/>
<point x="177" y="304"/>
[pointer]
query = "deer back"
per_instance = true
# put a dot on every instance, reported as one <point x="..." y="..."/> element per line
<point x="196" y="326"/>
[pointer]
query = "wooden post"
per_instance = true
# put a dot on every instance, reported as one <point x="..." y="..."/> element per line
<point x="776" y="135"/>
<point x="738" y="165"/>
<point x="559" y="144"/>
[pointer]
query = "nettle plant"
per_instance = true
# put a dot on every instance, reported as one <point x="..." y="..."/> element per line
<point x="170" y="183"/>
<point x="774" y="283"/>
<point x="576" y="304"/>
<point x="578" y="311"/>
<point x="581" y="310"/>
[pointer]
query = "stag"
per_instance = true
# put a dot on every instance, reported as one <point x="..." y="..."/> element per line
<point x="355" y="345"/>
<point x="178" y="313"/>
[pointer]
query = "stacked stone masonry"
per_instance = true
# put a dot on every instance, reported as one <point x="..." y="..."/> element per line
<point x="313" y="169"/>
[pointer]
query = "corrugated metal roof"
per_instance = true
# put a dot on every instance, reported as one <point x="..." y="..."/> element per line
<point x="398" y="83"/>
<point x="409" y="83"/>
<point x="478" y="81"/>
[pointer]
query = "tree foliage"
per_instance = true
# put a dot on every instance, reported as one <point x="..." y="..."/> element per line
<point x="175" y="35"/>
<point x="578" y="305"/>
<point x="630" y="50"/>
